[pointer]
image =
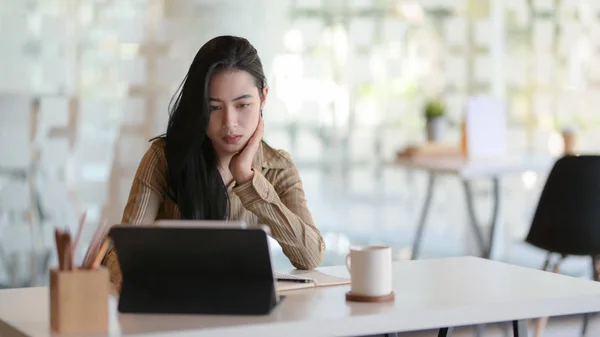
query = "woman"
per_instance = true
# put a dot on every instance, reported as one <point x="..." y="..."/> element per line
<point x="212" y="163"/>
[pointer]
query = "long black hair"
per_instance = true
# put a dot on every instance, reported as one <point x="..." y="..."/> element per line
<point x="195" y="183"/>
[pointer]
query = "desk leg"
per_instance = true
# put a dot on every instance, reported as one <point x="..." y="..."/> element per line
<point x="485" y="248"/>
<point x="423" y="219"/>
<point x="445" y="332"/>
<point x="520" y="328"/>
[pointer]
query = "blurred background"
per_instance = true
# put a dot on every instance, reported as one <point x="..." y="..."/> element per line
<point x="84" y="85"/>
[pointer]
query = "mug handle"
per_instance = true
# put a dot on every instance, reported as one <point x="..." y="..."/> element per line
<point x="348" y="263"/>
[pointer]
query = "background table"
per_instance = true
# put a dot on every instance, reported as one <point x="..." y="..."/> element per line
<point x="467" y="171"/>
<point x="430" y="294"/>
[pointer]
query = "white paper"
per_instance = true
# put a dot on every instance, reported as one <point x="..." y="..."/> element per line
<point x="487" y="134"/>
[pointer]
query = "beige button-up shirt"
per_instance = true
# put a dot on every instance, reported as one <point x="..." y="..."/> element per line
<point x="273" y="197"/>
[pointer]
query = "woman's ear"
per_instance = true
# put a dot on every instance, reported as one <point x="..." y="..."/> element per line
<point x="263" y="100"/>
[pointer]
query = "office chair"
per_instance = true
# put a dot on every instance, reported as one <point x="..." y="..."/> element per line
<point x="567" y="218"/>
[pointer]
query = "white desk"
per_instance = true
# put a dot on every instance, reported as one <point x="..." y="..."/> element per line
<point x="430" y="294"/>
<point x="466" y="171"/>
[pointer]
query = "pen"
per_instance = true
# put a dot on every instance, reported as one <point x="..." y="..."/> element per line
<point x="100" y="255"/>
<point x="294" y="280"/>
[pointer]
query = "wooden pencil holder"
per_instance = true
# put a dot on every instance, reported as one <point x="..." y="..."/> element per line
<point x="79" y="300"/>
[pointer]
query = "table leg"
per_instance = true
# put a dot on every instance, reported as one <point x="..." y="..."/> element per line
<point x="423" y="218"/>
<point x="445" y="332"/>
<point x="485" y="248"/>
<point x="496" y="214"/>
<point x="520" y="328"/>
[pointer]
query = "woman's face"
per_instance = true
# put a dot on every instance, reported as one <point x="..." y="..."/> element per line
<point x="235" y="106"/>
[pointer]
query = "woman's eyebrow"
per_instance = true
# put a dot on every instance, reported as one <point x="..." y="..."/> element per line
<point x="242" y="97"/>
<point x="233" y="100"/>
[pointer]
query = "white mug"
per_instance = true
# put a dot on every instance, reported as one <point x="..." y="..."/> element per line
<point x="370" y="270"/>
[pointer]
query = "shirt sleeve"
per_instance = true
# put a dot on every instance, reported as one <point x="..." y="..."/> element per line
<point x="282" y="206"/>
<point x="145" y="198"/>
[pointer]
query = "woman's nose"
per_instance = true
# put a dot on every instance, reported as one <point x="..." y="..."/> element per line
<point x="230" y="118"/>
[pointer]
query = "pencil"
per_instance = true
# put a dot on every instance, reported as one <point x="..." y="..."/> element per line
<point x="67" y="251"/>
<point x="59" y="249"/>
<point x="100" y="255"/>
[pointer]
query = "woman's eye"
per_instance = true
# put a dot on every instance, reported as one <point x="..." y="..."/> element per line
<point x="243" y="105"/>
<point x="214" y="107"/>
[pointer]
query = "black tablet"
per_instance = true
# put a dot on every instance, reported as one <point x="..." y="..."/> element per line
<point x="191" y="270"/>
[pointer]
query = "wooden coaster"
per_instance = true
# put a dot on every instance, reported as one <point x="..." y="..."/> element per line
<point x="361" y="298"/>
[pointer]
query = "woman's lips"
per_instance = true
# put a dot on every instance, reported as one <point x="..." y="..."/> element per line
<point x="232" y="139"/>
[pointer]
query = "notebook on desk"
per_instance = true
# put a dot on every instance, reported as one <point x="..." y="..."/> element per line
<point x="301" y="279"/>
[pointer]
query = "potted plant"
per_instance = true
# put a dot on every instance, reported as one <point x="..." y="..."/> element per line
<point x="435" y="113"/>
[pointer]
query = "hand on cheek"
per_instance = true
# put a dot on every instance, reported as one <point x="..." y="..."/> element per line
<point x="241" y="163"/>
